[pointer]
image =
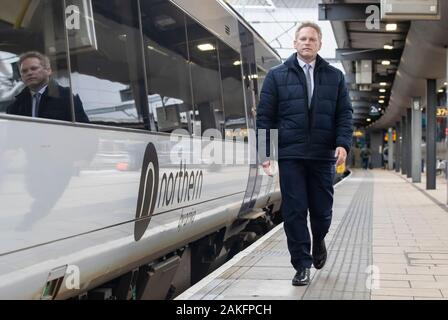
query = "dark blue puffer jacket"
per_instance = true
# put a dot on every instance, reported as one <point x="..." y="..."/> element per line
<point x="305" y="133"/>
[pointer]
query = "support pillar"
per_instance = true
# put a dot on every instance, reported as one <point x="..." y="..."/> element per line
<point x="398" y="147"/>
<point x="409" y="142"/>
<point x="404" y="156"/>
<point x="390" y="145"/>
<point x="376" y="142"/>
<point x="431" y="135"/>
<point x="416" y="134"/>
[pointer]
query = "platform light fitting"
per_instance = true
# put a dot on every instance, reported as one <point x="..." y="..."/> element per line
<point x="206" y="47"/>
<point x="382" y="90"/>
<point x="381" y="101"/>
<point x="369" y="120"/>
<point x="388" y="47"/>
<point x="383" y="84"/>
<point x="441" y="91"/>
<point x="382" y="97"/>
<point x="391" y="27"/>
<point x="385" y="62"/>
<point x="237" y="63"/>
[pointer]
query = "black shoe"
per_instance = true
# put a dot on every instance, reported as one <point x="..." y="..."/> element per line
<point x="302" y="277"/>
<point x="319" y="254"/>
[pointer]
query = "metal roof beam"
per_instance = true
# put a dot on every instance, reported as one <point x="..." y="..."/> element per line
<point x="364" y="94"/>
<point x="361" y="104"/>
<point x="344" y="11"/>
<point x="351" y="78"/>
<point x="360" y="117"/>
<point x="389" y="78"/>
<point x="368" y="54"/>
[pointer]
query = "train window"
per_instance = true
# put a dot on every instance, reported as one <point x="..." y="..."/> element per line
<point x="107" y="69"/>
<point x="166" y="52"/>
<point x="205" y="74"/>
<point x="35" y="29"/>
<point x="232" y="87"/>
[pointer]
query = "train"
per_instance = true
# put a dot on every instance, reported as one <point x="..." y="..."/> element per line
<point x="134" y="203"/>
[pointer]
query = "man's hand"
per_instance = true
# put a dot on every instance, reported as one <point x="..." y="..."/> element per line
<point x="341" y="156"/>
<point x="269" y="167"/>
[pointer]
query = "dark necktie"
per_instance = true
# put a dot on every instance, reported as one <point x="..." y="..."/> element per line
<point x="308" y="84"/>
<point x="36" y="101"/>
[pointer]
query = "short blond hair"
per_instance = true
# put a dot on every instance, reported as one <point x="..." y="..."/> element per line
<point x="44" y="60"/>
<point x="309" y="24"/>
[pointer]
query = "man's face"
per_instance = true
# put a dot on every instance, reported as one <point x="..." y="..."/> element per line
<point x="34" y="74"/>
<point x="307" y="44"/>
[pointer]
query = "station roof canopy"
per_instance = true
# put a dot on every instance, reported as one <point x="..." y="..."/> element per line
<point x="400" y="52"/>
<point x="370" y="51"/>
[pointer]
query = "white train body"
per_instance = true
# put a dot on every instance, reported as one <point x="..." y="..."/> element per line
<point x="85" y="215"/>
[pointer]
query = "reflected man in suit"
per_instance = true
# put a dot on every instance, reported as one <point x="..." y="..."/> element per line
<point x="47" y="173"/>
<point x="42" y="96"/>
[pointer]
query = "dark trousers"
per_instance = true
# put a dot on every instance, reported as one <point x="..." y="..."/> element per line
<point x="306" y="185"/>
<point x="365" y="163"/>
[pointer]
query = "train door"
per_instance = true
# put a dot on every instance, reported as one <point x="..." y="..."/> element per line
<point x="251" y="96"/>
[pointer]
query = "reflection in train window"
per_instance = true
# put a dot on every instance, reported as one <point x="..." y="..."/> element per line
<point x="107" y="64"/>
<point x="170" y="113"/>
<point x="261" y="77"/>
<point x="169" y="87"/>
<point x="205" y="73"/>
<point x="32" y="26"/>
<point x="232" y="87"/>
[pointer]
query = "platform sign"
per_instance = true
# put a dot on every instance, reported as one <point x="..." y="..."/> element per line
<point x="442" y="112"/>
<point x="374" y="111"/>
<point x="358" y="134"/>
<point x="80" y="25"/>
<point x="410" y="10"/>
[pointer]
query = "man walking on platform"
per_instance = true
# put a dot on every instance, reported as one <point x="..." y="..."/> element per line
<point x="307" y="101"/>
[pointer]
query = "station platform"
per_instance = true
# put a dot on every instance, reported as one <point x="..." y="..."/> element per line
<point x="388" y="240"/>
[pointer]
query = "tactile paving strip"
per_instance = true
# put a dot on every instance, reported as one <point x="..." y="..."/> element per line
<point x="345" y="274"/>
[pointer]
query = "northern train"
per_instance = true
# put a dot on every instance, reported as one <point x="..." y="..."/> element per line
<point x="130" y="205"/>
